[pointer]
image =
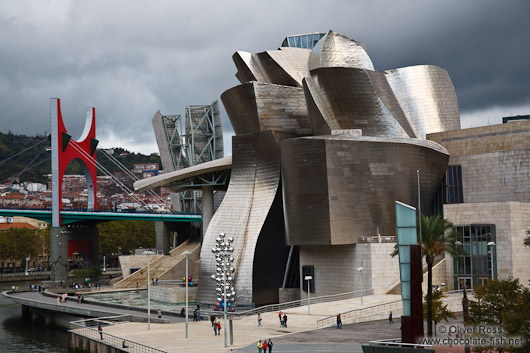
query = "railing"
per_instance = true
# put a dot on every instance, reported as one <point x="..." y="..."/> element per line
<point x="381" y="239"/>
<point x="298" y="303"/>
<point x="396" y="342"/>
<point x="361" y="312"/>
<point x="150" y="211"/>
<point x="23" y="273"/>
<point x="176" y="283"/>
<point x="86" y="329"/>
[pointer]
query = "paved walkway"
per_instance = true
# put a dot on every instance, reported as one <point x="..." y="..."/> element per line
<point x="171" y="337"/>
<point x="73" y="307"/>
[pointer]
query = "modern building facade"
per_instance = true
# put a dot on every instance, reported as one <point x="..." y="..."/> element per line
<point x="488" y="200"/>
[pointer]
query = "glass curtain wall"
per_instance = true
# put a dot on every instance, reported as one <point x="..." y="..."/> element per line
<point x="479" y="263"/>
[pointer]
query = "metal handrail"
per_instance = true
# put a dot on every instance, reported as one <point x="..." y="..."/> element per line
<point x="355" y="313"/>
<point x="397" y="343"/>
<point x="298" y="303"/>
<point x="85" y="329"/>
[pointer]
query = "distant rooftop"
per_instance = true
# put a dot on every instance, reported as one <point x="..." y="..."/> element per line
<point x="507" y="119"/>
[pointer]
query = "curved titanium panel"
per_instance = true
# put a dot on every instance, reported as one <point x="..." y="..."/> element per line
<point x="253" y="186"/>
<point x="255" y="106"/>
<point x="427" y="97"/>
<point x="347" y="99"/>
<point x="293" y="61"/>
<point x="339" y="188"/>
<point x="336" y="50"/>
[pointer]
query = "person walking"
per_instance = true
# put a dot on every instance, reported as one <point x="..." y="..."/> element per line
<point x="339" y="321"/>
<point x="284" y="320"/>
<point x="214" y="324"/>
<point x="100" y="330"/>
<point x="280" y="317"/>
<point x="260" y="346"/>
<point x="212" y="319"/>
<point x="390" y="320"/>
<point x="264" y="346"/>
<point x="159" y="312"/>
<point x="259" y="320"/>
<point x="269" y="344"/>
<point x="219" y="328"/>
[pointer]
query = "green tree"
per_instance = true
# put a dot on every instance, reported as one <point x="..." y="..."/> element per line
<point x="18" y="243"/>
<point x="127" y="235"/>
<point x="502" y="303"/>
<point x="437" y="238"/>
<point x="439" y="310"/>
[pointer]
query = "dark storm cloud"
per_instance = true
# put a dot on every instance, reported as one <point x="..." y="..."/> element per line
<point x="131" y="58"/>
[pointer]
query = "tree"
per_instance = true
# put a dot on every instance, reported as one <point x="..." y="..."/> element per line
<point x="439" y="310"/>
<point x="18" y="243"/>
<point x="437" y="238"/>
<point x="127" y="235"/>
<point x="502" y="303"/>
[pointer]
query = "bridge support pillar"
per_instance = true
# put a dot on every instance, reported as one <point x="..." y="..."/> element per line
<point x="162" y="237"/>
<point x="207" y="208"/>
<point x="68" y="240"/>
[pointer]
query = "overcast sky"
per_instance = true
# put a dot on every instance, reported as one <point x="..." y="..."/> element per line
<point x="131" y="58"/>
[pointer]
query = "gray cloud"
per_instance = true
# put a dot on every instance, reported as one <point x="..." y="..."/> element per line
<point x="131" y="58"/>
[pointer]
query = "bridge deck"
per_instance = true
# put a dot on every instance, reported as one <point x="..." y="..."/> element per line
<point x="69" y="217"/>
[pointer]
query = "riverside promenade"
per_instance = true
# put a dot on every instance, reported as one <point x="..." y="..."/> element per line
<point x="300" y="335"/>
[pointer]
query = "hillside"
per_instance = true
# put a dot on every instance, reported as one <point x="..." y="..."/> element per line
<point x="34" y="164"/>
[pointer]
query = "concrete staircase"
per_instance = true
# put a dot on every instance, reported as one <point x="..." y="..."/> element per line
<point x="168" y="267"/>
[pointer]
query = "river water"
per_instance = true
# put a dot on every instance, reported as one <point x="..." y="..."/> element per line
<point x="18" y="335"/>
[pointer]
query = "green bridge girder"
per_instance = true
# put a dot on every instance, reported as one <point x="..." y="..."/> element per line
<point x="70" y="217"/>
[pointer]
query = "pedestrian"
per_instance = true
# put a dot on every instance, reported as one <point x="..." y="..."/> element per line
<point x="195" y="315"/>
<point x="260" y="346"/>
<point x="269" y="344"/>
<point x="100" y="330"/>
<point x="214" y="327"/>
<point x="182" y="312"/>
<point x="159" y="312"/>
<point x="58" y="300"/>
<point x="285" y="320"/>
<point x="218" y="328"/>
<point x="78" y="298"/>
<point x="280" y="318"/>
<point x="259" y="319"/>
<point x="339" y="321"/>
<point x="212" y="319"/>
<point x="390" y="320"/>
<point x="264" y="346"/>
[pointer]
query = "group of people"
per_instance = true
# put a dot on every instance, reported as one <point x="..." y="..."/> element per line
<point x="283" y="319"/>
<point x="262" y="346"/>
<point x="216" y="326"/>
<point x="34" y="288"/>
<point x="62" y="298"/>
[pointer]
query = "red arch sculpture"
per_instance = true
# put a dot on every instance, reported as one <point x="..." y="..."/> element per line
<point x="65" y="149"/>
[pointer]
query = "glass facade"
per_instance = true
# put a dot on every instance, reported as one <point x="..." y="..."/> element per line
<point x="306" y="41"/>
<point x="479" y="264"/>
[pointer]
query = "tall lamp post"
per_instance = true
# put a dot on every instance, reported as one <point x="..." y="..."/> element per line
<point x="223" y="276"/>
<point x="148" y="253"/>
<point x="187" y="253"/>
<point x="360" y="269"/>
<point x="492" y="245"/>
<point x="308" y="279"/>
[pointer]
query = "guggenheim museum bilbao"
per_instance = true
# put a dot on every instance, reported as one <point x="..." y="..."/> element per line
<point x="324" y="145"/>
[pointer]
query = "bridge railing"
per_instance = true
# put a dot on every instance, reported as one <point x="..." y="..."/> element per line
<point x="89" y="328"/>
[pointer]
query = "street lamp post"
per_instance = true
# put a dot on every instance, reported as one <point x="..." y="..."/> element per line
<point x="308" y="278"/>
<point x="187" y="253"/>
<point x="27" y="260"/>
<point x="148" y="253"/>
<point x="360" y="269"/>
<point x="491" y="245"/>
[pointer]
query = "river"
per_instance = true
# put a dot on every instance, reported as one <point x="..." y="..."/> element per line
<point x="18" y="335"/>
